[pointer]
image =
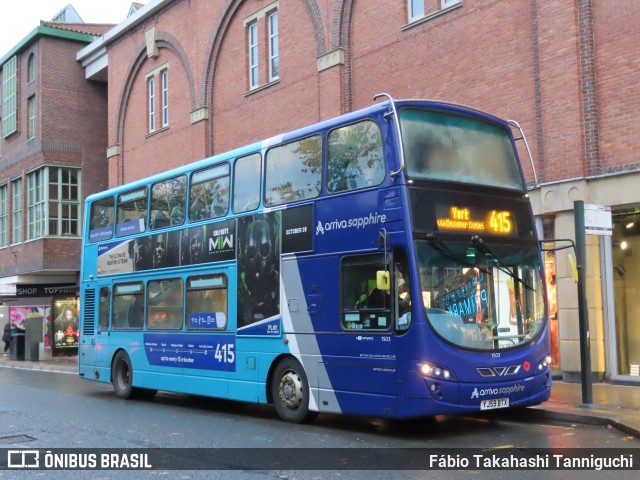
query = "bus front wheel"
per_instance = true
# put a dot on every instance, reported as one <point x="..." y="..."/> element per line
<point x="290" y="391"/>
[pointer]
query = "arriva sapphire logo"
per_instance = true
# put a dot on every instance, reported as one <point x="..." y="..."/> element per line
<point x="355" y="222"/>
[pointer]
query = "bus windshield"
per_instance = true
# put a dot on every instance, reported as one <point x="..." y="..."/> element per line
<point x="456" y="148"/>
<point x="479" y="298"/>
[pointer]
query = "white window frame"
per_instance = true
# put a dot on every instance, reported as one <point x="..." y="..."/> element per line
<point x="36" y="204"/>
<point x="254" y="73"/>
<point x="164" y="80"/>
<point x="151" y="98"/>
<point x="16" y="211"/>
<point x="274" y="49"/>
<point x="4" y="215"/>
<point x="31" y="109"/>
<point x="66" y="202"/>
<point x="10" y="97"/>
<point x="448" y="3"/>
<point x="415" y="10"/>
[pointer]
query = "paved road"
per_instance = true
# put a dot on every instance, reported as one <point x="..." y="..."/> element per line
<point x="46" y="410"/>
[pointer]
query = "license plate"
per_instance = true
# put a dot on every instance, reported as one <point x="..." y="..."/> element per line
<point x="494" y="403"/>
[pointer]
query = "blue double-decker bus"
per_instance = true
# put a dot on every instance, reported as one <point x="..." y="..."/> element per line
<point x="382" y="263"/>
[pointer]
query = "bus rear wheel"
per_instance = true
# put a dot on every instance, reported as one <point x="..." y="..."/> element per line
<point x="122" y="377"/>
<point x="290" y="391"/>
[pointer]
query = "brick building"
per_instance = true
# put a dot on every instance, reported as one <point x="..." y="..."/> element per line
<point x="187" y="79"/>
<point x="52" y="155"/>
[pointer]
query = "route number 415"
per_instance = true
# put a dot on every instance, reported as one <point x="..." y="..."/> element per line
<point x="224" y="353"/>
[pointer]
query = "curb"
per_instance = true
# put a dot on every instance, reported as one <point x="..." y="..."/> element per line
<point x="38" y="368"/>
<point x="597" y="419"/>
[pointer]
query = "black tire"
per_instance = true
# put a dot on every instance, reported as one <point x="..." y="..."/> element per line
<point x="122" y="378"/>
<point x="290" y="391"/>
<point x="122" y="375"/>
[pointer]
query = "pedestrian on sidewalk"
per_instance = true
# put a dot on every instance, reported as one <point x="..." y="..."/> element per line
<point x="6" y="336"/>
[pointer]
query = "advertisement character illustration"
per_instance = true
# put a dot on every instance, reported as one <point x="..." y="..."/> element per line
<point x="66" y="326"/>
<point x="140" y="253"/>
<point x="258" y="285"/>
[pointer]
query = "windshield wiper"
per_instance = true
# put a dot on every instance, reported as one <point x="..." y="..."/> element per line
<point x="477" y="242"/>
<point x="444" y="250"/>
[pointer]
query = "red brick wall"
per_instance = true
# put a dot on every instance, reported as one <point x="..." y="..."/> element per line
<point x="527" y="60"/>
<point x="71" y="131"/>
<point x="618" y="89"/>
<point x="290" y="104"/>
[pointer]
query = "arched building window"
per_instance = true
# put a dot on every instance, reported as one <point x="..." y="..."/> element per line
<point x="31" y="68"/>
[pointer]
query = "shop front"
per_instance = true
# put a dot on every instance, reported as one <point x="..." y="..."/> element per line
<point x="48" y="316"/>
<point x="612" y="278"/>
<point x="625" y="282"/>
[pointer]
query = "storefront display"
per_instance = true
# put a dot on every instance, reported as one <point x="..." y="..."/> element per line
<point x="550" y="272"/>
<point x="626" y="278"/>
<point x="65" y="324"/>
<point x="20" y="315"/>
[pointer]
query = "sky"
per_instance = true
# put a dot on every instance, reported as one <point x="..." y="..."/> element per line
<point x="23" y="16"/>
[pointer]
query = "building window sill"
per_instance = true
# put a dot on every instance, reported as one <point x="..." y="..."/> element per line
<point x="262" y="87"/>
<point x="156" y="132"/>
<point x="431" y="16"/>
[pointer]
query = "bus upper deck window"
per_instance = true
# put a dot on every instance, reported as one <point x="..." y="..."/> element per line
<point x="355" y="157"/>
<point x="167" y="202"/>
<point x="293" y="171"/>
<point x="102" y="219"/>
<point x="209" y="193"/>
<point x="131" y="212"/>
<point x="246" y="183"/>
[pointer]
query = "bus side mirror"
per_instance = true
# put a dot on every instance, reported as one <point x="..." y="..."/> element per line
<point x="383" y="280"/>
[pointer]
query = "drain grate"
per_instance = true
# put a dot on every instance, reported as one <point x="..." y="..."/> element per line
<point x="15" y="439"/>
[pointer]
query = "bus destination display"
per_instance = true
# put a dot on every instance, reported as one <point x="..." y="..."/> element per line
<point x="475" y="220"/>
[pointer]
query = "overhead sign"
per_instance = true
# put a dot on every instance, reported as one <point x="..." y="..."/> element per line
<point x="597" y="220"/>
<point x="38" y="290"/>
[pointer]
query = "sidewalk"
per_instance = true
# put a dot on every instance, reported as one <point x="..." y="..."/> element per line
<point x="615" y="405"/>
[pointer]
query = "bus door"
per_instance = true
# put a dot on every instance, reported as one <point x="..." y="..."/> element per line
<point x="356" y="334"/>
<point x="366" y="316"/>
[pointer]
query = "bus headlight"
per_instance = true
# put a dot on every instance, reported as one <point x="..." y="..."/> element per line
<point x="434" y="371"/>
<point x="545" y="363"/>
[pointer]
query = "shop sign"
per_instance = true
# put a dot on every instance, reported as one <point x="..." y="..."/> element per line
<point x="597" y="220"/>
<point x="35" y="290"/>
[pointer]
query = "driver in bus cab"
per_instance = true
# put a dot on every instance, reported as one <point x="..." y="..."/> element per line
<point x="404" y="301"/>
